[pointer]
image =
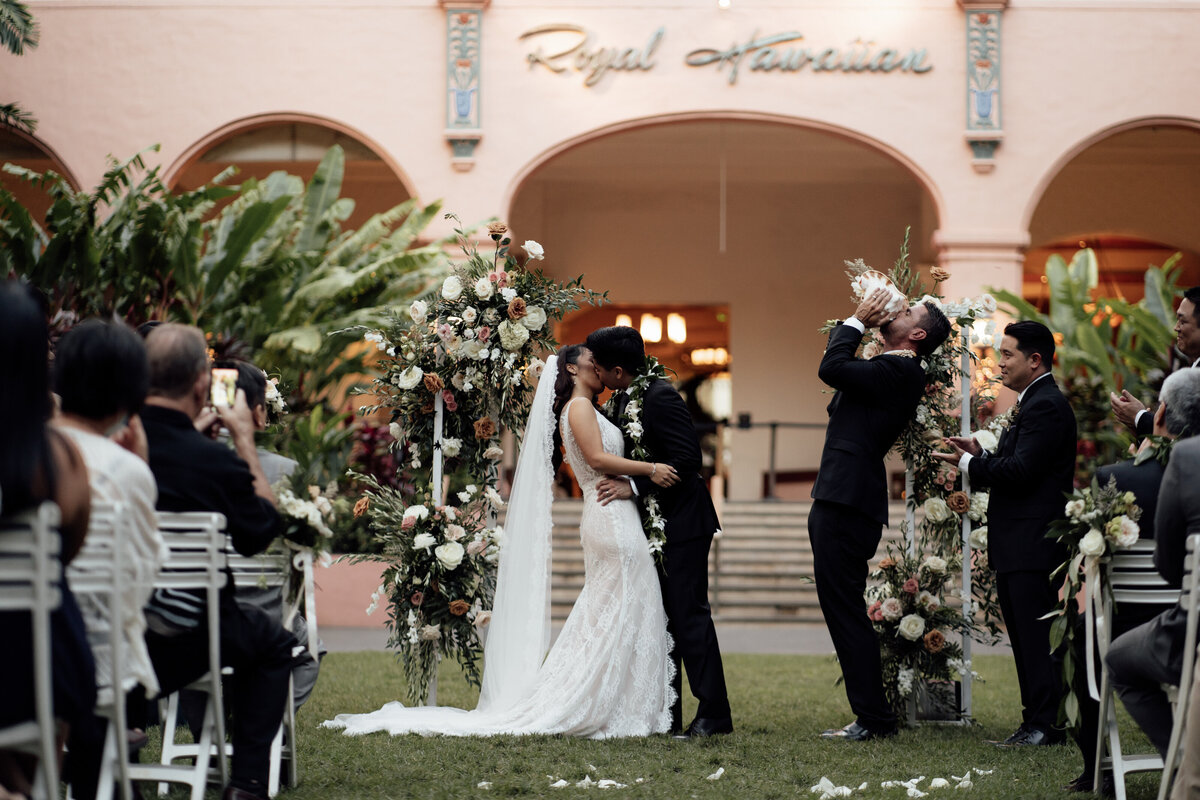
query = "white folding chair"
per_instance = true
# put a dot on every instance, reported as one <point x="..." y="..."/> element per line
<point x="1190" y="599"/>
<point x="265" y="570"/>
<point x="1133" y="580"/>
<point x="96" y="578"/>
<point x="30" y="573"/>
<point x="196" y="561"/>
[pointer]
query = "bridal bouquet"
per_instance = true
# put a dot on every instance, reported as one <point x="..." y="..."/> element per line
<point x="439" y="580"/>
<point x="908" y="609"/>
<point x="1098" y="521"/>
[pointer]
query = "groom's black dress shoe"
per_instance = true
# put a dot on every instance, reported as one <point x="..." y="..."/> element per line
<point x="1031" y="736"/>
<point x="702" y="728"/>
<point x="856" y="733"/>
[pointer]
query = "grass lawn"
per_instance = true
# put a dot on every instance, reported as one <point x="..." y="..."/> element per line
<point x="780" y="704"/>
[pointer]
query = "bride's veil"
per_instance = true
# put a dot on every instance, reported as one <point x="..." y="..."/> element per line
<point x="519" y="634"/>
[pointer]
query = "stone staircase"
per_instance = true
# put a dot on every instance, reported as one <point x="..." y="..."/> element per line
<point x="760" y="568"/>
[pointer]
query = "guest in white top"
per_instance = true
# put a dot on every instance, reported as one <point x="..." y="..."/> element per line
<point x="101" y="375"/>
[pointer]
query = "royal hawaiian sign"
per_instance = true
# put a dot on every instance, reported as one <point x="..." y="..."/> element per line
<point x="564" y="48"/>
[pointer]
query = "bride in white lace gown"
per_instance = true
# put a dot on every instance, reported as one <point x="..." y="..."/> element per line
<point x="609" y="672"/>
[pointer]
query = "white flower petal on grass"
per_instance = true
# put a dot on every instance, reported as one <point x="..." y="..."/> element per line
<point x="979" y="771"/>
<point x="939" y="783"/>
<point x="716" y="776"/>
<point x="607" y="784"/>
<point x="915" y="792"/>
<point x="483" y="785"/>
<point x="559" y="784"/>
<point x="967" y="784"/>
<point x="586" y="783"/>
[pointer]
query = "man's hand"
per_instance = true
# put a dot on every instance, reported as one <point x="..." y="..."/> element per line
<point x="238" y="419"/>
<point x="207" y="421"/>
<point x="1126" y="407"/>
<point x="872" y="311"/>
<point x="960" y="445"/>
<point x="133" y="438"/>
<point x="613" y="488"/>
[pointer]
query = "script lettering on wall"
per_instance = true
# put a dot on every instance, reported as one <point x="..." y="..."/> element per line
<point x="573" y="49"/>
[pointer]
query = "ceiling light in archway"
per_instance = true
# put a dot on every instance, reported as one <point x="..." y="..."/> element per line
<point x="724" y="4"/>
<point x="651" y="328"/>
<point x="676" y="328"/>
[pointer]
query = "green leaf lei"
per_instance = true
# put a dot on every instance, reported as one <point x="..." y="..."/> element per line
<point x="630" y="423"/>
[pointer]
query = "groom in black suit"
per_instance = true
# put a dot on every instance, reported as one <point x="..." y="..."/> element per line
<point x="670" y="437"/>
<point x="875" y="399"/>
<point x="1029" y="475"/>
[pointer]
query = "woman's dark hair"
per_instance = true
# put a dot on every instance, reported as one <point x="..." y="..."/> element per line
<point x="1033" y="337"/>
<point x="563" y="386"/>
<point x="26" y="466"/>
<point x="618" y="346"/>
<point x="100" y="369"/>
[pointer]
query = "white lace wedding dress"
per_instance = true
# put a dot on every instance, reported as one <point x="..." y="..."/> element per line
<point x="609" y="673"/>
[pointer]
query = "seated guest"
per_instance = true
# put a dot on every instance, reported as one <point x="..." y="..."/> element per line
<point x="253" y="381"/>
<point x="1186" y="353"/>
<point x="1151" y="654"/>
<point x="37" y="463"/>
<point x="195" y="473"/>
<point x="1142" y="476"/>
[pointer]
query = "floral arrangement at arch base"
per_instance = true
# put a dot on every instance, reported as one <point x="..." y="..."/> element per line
<point x="474" y="345"/>
<point x="937" y="488"/>
<point x="1099" y="521"/>
<point x="909" y="612"/>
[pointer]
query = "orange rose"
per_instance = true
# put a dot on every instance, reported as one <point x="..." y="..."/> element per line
<point x="433" y="383"/>
<point x="361" y="506"/>
<point x="935" y="641"/>
<point x="459" y="607"/>
<point x="497" y="230"/>
<point x="887" y="562"/>
<point x="484" y="428"/>
<point x="516" y="308"/>
<point x="938" y="274"/>
<point x="958" y="502"/>
<point x="427" y="407"/>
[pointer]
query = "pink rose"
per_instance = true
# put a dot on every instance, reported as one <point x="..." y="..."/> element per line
<point x="874" y="613"/>
<point x="475" y="548"/>
<point x="493" y="277"/>
<point x="408" y="522"/>
<point x="502" y="279"/>
<point x="417" y="598"/>
<point x="911" y="586"/>
<point x="445" y="332"/>
<point x="449" y="401"/>
<point x="484" y="333"/>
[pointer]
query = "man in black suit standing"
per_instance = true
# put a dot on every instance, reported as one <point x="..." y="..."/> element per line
<point x="875" y="399"/>
<point x="1148" y="656"/>
<point x="691" y="520"/>
<point x="1127" y="408"/>
<point x="1029" y="474"/>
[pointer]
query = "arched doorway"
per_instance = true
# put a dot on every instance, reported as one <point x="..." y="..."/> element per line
<point x="1132" y="195"/>
<point x="27" y="151"/>
<point x="295" y="145"/>
<point x="745" y="219"/>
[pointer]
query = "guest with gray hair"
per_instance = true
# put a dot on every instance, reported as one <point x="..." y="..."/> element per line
<point x="1151" y="655"/>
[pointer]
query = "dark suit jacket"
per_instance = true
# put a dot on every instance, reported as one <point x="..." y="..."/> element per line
<point x="1029" y="478"/>
<point x="1144" y="480"/>
<point x="669" y="437"/>
<point x="875" y="399"/>
<point x="1178" y="510"/>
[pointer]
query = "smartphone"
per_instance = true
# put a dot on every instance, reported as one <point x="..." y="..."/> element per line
<point x="224" y="387"/>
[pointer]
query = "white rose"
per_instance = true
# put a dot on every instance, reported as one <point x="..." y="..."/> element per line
<point x="891" y="610"/>
<point x="451" y="447"/>
<point x="987" y="302"/>
<point x="1092" y="544"/>
<point x="978" y="538"/>
<point x="472" y="350"/>
<point x="423" y="541"/>
<point x="430" y="633"/>
<point x="872" y="349"/>
<point x="979" y="506"/>
<point x="1074" y="508"/>
<point x="483" y="618"/>
<point x="534" y="249"/>
<point x="469" y="315"/>
<point x="395" y="431"/>
<point x="417" y="512"/>
<point x="455" y="532"/>
<point x="410" y="377"/>
<point x="484" y="288"/>
<point x="493" y="453"/>
<point x="508" y="293"/>
<point x="513" y="335"/>
<point x="986" y="439"/>
<point x="449" y="554"/>
<point x="493" y="497"/>
<point x="936" y="510"/>
<point x="452" y="288"/>
<point x="535" y="318"/>
<point x="912" y="627"/>
<point x="928" y="601"/>
<point x="419" y="311"/>
<point x="934" y="564"/>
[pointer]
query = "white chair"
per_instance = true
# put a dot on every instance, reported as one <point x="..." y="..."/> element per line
<point x="270" y="570"/>
<point x="96" y="578"/>
<point x="1190" y="599"/>
<point x="195" y="541"/>
<point x="1133" y="580"/>
<point x="30" y="574"/>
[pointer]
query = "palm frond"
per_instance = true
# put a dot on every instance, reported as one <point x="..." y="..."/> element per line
<point x="18" y="28"/>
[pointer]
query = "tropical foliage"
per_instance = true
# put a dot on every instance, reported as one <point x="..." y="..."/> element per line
<point x="18" y="33"/>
